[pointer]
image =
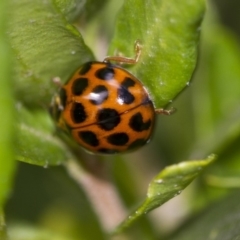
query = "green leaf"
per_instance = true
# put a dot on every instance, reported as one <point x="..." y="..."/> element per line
<point x="3" y="230"/>
<point x="219" y="222"/>
<point x="169" y="32"/>
<point x="7" y="162"/>
<point x="166" y="185"/>
<point x="72" y="9"/>
<point x="45" y="46"/>
<point x="36" y="142"/>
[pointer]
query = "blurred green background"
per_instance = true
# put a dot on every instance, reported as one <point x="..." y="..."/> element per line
<point x="206" y="121"/>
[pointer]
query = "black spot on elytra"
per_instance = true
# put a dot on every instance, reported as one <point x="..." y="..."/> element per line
<point x="128" y="82"/>
<point x="107" y="151"/>
<point x="123" y="92"/>
<point x="63" y="97"/>
<point x="137" y="143"/>
<point x="78" y="113"/>
<point x="108" y="118"/>
<point x="118" y="139"/>
<point x="79" y="85"/>
<point x="85" y="68"/>
<point x="98" y="95"/>
<point x="137" y="124"/>
<point x="106" y="73"/>
<point x="89" y="137"/>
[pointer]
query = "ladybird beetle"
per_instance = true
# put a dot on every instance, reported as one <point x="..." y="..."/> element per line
<point x="105" y="108"/>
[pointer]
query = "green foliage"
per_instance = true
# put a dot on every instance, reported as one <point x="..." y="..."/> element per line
<point x="44" y="148"/>
<point x="46" y="44"/>
<point x="219" y="222"/>
<point x="169" y="32"/>
<point x="24" y="232"/>
<point x="167" y="184"/>
<point x="6" y="120"/>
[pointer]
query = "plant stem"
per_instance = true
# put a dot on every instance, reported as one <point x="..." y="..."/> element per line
<point x="101" y="193"/>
